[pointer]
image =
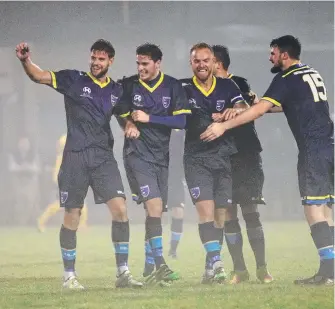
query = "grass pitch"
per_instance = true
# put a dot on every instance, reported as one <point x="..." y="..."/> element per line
<point x="31" y="272"/>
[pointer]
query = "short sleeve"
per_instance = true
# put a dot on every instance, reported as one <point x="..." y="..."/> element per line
<point x="64" y="79"/>
<point x="277" y="91"/>
<point x="179" y="102"/>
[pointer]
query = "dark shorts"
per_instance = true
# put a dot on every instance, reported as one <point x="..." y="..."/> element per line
<point x="146" y="179"/>
<point x="92" y="167"/>
<point x="248" y="178"/>
<point x="207" y="182"/>
<point x="316" y="176"/>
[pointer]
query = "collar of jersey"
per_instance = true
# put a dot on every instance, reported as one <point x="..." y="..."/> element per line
<point x="96" y="81"/>
<point x="294" y="68"/>
<point x="230" y="75"/>
<point x="202" y="90"/>
<point x="152" y="89"/>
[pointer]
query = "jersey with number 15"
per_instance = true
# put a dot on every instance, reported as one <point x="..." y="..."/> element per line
<point x="301" y="92"/>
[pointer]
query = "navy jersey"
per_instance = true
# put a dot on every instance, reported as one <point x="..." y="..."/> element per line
<point x="89" y="106"/>
<point x="163" y="96"/>
<point x="302" y="94"/>
<point x="223" y="94"/>
<point x="246" y="138"/>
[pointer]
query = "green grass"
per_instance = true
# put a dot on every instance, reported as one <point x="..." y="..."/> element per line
<point x="31" y="271"/>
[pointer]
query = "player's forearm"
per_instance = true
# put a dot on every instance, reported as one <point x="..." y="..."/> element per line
<point x="275" y="109"/>
<point x="35" y="73"/>
<point x="248" y="115"/>
<point x="174" y="122"/>
<point x="241" y="107"/>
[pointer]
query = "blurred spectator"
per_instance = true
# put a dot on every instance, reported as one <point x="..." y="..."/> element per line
<point x="24" y="168"/>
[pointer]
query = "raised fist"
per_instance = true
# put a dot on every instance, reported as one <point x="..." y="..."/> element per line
<point x="22" y="51"/>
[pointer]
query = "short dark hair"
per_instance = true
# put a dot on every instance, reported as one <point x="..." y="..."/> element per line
<point x="289" y="44"/>
<point x="201" y="45"/>
<point x="151" y="50"/>
<point x="104" y="45"/>
<point x="221" y="53"/>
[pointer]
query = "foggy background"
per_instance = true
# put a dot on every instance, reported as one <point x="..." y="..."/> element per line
<point x="61" y="34"/>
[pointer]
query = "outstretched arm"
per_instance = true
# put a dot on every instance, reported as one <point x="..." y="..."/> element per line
<point x="216" y="129"/>
<point x="35" y="73"/>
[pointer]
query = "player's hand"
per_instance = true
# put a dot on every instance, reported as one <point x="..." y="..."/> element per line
<point x="229" y="113"/>
<point x="213" y="131"/>
<point x="131" y="131"/>
<point x="140" y="116"/>
<point x="254" y="98"/>
<point x="217" y="117"/>
<point x="22" y="51"/>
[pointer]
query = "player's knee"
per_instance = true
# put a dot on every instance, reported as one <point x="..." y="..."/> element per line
<point x="249" y="208"/>
<point x="219" y="223"/>
<point x="231" y="212"/>
<point x="73" y="212"/>
<point x="205" y="211"/>
<point x="177" y="212"/>
<point x="232" y="227"/>
<point x="71" y="218"/>
<point x="118" y="209"/>
<point x="252" y="220"/>
<point x="154" y="207"/>
<point x="220" y="217"/>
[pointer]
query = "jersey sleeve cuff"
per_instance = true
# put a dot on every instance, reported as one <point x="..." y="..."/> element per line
<point x="53" y="80"/>
<point x="181" y="111"/>
<point x="125" y="115"/>
<point x="273" y="101"/>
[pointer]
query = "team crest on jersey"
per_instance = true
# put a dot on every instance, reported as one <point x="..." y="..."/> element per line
<point x="193" y="103"/>
<point x="86" y="92"/>
<point x="166" y="101"/>
<point x="137" y="100"/>
<point x="220" y="105"/>
<point x="113" y="99"/>
<point x="195" y="192"/>
<point x="63" y="196"/>
<point x="145" y="190"/>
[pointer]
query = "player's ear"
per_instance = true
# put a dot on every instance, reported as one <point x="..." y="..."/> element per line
<point x="111" y="60"/>
<point x="158" y="64"/>
<point x="285" y="56"/>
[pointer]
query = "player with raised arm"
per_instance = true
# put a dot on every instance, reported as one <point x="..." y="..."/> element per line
<point x="88" y="158"/>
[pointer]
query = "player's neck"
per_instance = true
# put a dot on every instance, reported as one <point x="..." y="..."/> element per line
<point x="101" y="79"/>
<point x="154" y="77"/>
<point x="206" y="84"/>
<point x="291" y="63"/>
<point x="222" y="73"/>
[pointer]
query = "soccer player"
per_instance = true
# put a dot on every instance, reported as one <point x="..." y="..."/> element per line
<point x="54" y="207"/>
<point x="248" y="179"/>
<point x="158" y="104"/>
<point x="300" y="91"/>
<point x="88" y="158"/>
<point x="176" y="196"/>
<point x="207" y="165"/>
